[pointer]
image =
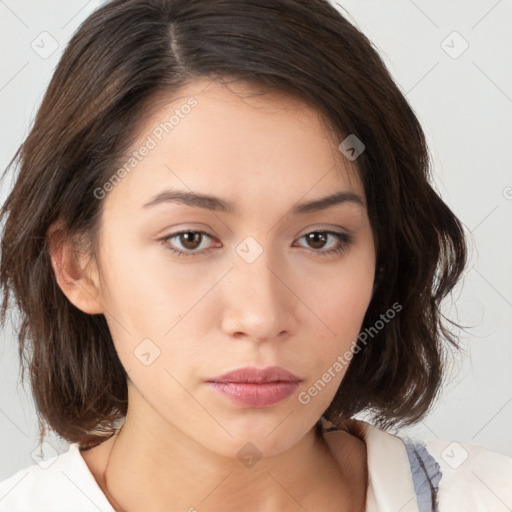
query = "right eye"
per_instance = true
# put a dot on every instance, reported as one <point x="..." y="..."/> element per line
<point x="188" y="237"/>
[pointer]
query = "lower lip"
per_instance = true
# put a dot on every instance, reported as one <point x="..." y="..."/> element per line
<point x="249" y="394"/>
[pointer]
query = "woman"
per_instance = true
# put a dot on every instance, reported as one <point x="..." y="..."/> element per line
<point x="224" y="245"/>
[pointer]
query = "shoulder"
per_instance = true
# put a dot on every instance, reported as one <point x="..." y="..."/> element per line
<point x="389" y="480"/>
<point x="459" y="477"/>
<point x="61" y="483"/>
<point x="472" y="475"/>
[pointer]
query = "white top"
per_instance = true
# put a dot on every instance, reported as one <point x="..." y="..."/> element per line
<point x="473" y="479"/>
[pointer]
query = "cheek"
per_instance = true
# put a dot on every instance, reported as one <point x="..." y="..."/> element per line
<point x="151" y="317"/>
<point x="140" y="293"/>
<point x="343" y="302"/>
<point x="341" y="308"/>
<point x="342" y="314"/>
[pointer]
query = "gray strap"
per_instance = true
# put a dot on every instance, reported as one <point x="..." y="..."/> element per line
<point x="426" y="474"/>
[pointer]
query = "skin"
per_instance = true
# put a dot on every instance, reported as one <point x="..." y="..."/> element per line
<point x="214" y="312"/>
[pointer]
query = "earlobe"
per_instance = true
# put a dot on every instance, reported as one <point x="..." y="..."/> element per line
<point x="72" y="272"/>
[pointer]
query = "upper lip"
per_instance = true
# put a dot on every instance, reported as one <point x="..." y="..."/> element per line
<point x="256" y="375"/>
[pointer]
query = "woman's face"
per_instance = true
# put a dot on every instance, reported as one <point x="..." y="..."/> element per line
<point x="258" y="288"/>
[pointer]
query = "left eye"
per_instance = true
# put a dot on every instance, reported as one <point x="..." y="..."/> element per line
<point x="191" y="240"/>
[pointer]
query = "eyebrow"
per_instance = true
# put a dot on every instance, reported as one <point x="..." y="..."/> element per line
<point x="209" y="202"/>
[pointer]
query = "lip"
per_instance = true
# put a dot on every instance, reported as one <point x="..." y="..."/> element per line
<point x="250" y="394"/>
<point x="255" y="388"/>
<point x="251" y="374"/>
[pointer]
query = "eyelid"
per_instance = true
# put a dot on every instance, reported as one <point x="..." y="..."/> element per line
<point x="181" y="231"/>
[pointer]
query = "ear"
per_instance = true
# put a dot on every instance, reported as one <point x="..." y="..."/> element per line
<point x="76" y="277"/>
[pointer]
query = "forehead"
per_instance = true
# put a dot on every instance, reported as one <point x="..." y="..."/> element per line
<point x="239" y="140"/>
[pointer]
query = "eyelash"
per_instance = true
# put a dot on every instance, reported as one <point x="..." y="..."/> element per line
<point x="344" y="239"/>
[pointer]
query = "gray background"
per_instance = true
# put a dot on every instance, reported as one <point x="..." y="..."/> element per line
<point x="463" y="100"/>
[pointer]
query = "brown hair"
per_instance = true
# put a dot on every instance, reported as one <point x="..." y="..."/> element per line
<point x="122" y="57"/>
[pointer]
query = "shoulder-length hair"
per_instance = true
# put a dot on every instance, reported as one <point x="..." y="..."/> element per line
<point x="122" y="57"/>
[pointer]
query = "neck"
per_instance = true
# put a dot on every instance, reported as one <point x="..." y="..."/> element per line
<point x="153" y="464"/>
<point x="135" y="479"/>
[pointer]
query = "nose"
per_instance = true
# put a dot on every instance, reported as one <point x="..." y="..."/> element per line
<point x="258" y="300"/>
